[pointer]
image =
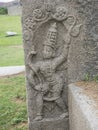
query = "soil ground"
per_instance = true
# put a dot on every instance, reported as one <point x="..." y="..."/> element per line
<point x="90" y="88"/>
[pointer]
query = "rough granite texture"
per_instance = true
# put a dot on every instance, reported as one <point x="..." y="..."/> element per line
<point x="61" y="45"/>
<point x="82" y="110"/>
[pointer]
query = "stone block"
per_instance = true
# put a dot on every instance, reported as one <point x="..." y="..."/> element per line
<point x="82" y="113"/>
<point x="60" y="123"/>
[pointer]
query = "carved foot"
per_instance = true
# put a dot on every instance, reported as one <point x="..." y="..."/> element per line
<point x="64" y="115"/>
<point x="38" y="118"/>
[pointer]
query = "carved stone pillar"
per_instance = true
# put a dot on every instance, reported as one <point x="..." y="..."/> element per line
<point x="50" y="29"/>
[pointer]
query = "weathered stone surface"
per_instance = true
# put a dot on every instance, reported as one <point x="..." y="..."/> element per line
<point x="60" y="43"/>
<point x="61" y="123"/>
<point x="82" y="110"/>
<point x="83" y="53"/>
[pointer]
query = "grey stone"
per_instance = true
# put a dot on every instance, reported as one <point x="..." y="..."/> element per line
<point x="61" y="123"/>
<point x="59" y="49"/>
<point x="9" y="33"/>
<point x="14" y="8"/>
<point x="82" y="110"/>
<point x="83" y="53"/>
<point x="11" y="70"/>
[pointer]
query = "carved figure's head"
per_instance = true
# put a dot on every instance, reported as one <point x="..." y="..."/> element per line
<point x="50" y="43"/>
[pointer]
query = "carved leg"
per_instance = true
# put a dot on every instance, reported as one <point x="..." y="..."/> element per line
<point x="39" y="106"/>
<point x="61" y="105"/>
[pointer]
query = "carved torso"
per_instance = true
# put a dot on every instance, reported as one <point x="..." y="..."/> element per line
<point x="47" y="69"/>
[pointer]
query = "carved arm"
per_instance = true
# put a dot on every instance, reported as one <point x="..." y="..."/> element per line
<point x="63" y="57"/>
<point x="34" y="68"/>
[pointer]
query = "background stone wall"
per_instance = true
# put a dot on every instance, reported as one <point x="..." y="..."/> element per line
<point x="15" y="10"/>
<point x="14" y="7"/>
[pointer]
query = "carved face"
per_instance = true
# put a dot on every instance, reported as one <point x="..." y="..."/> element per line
<point x="48" y="52"/>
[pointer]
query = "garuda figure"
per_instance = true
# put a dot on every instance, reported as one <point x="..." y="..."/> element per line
<point x="44" y="77"/>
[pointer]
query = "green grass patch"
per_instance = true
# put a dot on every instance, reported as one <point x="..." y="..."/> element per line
<point x="10" y="23"/>
<point x="11" y="52"/>
<point x="13" y="114"/>
<point x="11" y="56"/>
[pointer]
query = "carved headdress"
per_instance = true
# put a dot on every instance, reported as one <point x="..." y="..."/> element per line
<point x="51" y="36"/>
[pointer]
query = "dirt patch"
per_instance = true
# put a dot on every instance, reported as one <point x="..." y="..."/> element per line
<point x="90" y="88"/>
<point x="18" y="100"/>
<point x="21" y="126"/>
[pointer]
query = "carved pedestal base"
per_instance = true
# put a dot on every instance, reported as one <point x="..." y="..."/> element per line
<point x="60" y="123"/>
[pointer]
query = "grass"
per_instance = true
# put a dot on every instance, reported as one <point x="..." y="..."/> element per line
<point x="13" y="114"/>
<point x="11" y="52"/>
<point x="10" y="23"/>
<point x="11" y="55"/>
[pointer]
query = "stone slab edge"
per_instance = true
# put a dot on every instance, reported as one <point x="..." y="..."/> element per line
<point x="11" y="70"/>
<point x="50" y="124"/>
<point x="82" y="112"/>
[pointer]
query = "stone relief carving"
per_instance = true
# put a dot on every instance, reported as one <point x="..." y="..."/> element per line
<point x="47" y="12"/>
<point x="60" y="13"/>
<point x="43" y="77"/>
<point x="50" y="84"/>
<point x="61" y="46"/>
